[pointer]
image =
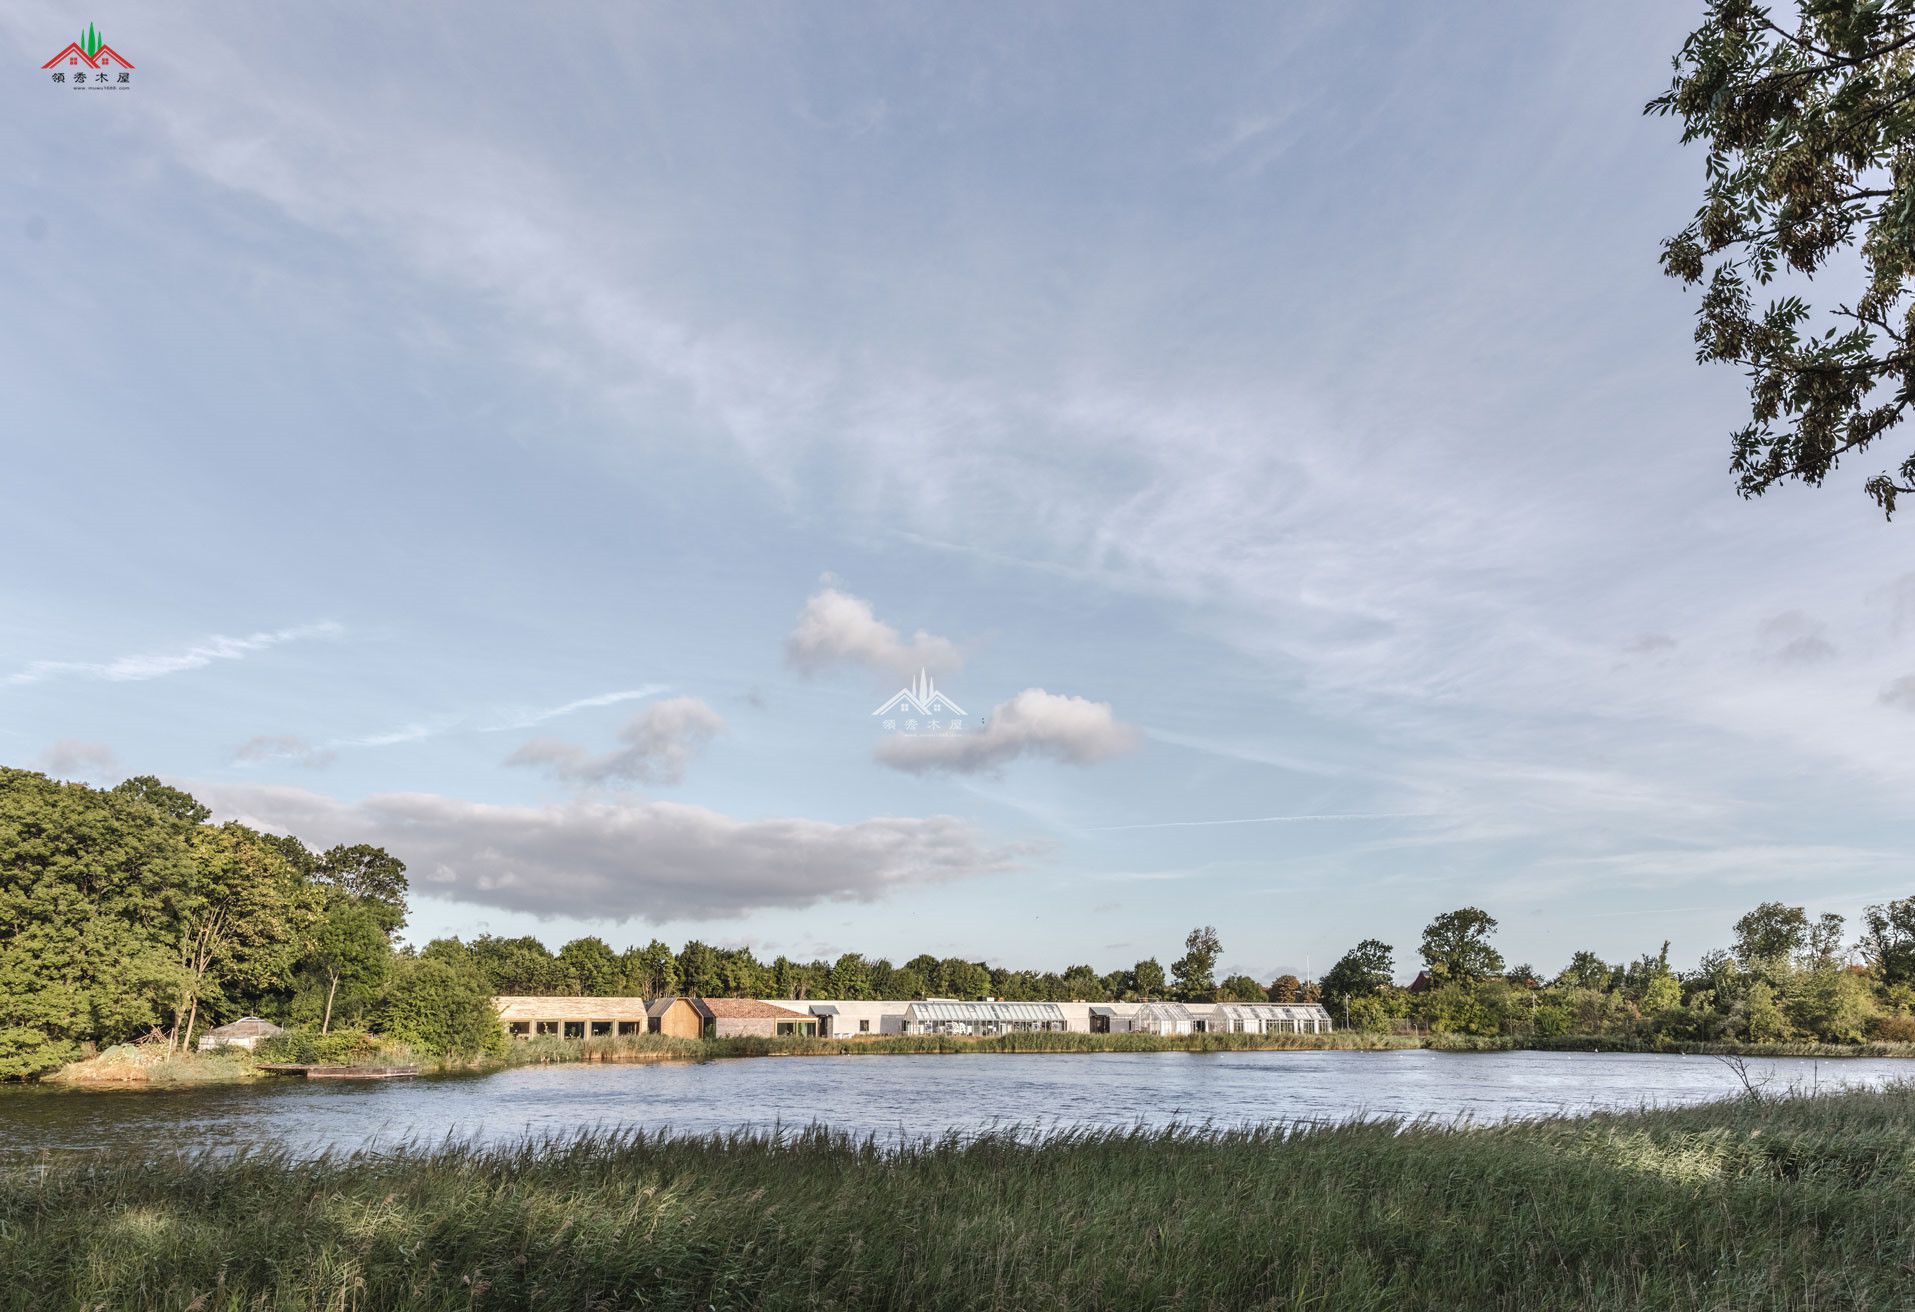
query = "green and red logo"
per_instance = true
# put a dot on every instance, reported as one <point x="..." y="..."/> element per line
<point x="91" y="62"/>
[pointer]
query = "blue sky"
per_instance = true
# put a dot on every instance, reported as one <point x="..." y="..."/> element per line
<point x="538" y="445"/>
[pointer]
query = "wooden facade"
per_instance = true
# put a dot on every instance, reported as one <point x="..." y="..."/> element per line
<point x="676" y="1018"/>
<point x="571" y="1018"/>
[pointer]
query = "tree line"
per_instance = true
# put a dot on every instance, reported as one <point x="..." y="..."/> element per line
<point x="1786" y="977"/>
<point x="126" y="914"/>
<point x="589" y="967"/>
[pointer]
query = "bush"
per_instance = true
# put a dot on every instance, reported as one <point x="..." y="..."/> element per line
<point x="442" y="1010"/>
<point x="1892" y="1029"/>
<point x="347" y="1047"/>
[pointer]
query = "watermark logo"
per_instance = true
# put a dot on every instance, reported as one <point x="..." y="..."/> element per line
<point x="90" y="64"/>
<point x="922" y="708"/>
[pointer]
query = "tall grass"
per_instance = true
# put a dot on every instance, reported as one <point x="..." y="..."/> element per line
<point x="655" y="1047"/>
<point x="1805" y="1203"/>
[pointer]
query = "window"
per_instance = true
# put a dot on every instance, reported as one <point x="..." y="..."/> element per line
<point x="864" y="1027"/>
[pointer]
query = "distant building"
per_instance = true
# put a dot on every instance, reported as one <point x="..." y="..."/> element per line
<point x="1165" y="1018"/>
<point x="529" y="1017"/>
<point x="727" y="1018"/>
<point x="691" y="1018"/>
<point x="675" y="1018"/>
<point x="942" y="1016"/>
<point x="246" y="1032"/>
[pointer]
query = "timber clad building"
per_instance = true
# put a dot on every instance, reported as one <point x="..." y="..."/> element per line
<point x="691" y="1018"/>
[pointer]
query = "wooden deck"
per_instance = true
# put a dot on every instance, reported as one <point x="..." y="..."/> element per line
<point x="340" y="1072"/>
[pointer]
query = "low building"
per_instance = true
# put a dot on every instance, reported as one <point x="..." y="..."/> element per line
<point x="1165" y="1018"/>
<point x="840" y="1019"/>
<point x="1271" y="1018"/>
<point x="942" y="1016"/>
<point x="727" y="1018"/>
<point x="246" y="1032"/>
<point x="529" y="1017"/>
<point x="691" y="1018"/>
<point x="675" y="1018"/>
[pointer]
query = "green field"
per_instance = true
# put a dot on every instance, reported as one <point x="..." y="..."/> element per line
<point x="1803" y="1203"/>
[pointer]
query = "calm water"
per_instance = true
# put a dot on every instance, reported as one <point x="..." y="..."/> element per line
<point x="888" y="1096"/>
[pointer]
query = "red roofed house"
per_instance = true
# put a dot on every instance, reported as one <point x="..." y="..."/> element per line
<point x="108" y="57"/>
<point x="748" y="1017"/>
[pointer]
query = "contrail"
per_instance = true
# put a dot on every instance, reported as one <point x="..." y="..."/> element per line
<point x="1270" y="820"/>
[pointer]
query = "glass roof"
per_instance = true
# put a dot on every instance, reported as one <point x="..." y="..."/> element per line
<point x="974" y="1011"/>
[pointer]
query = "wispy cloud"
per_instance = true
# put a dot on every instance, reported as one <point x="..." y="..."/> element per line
<point x="414" y="732"/>
<point x="291" y="749"/>
<point x="72" y="759"/>
<point x="1266" y="820"/>
<point x="158" y="664"/>
<point x="526" y="719"/>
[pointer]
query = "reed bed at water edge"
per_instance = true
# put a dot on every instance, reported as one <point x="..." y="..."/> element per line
<point x="656" y="1047"/>
<point x="1794" y="1203"/>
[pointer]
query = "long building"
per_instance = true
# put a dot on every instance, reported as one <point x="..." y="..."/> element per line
<point x="577" y="1018"/>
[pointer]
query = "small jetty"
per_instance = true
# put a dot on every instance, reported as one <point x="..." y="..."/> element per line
<point x="340" y="1072"/>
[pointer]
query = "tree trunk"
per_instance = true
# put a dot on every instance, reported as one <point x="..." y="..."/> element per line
<point x="325" y="1026"/>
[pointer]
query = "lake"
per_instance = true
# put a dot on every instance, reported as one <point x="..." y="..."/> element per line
<point x="889" y="1096"/>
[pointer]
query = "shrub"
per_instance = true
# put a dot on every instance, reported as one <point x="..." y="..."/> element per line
<point x="1893" y="1029"/>
<point x="442" y="1010"/>
<point x="346" y="1047"/>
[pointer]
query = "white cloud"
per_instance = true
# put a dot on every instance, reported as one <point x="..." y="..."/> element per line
<point x="1033" y="723"/>
<point x="267" y="748"/>
<point x="159" y="664"/>
<point x="836" y="628"/>
<point x="659" y="744"/>
<point x="72" y="759"/>
<point x="603" y="860"/>
<point x="1900" y="693"/>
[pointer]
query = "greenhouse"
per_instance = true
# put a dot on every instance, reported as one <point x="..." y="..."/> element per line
<point x="983" y="1018"/>
<point x="1273" y="1018"/>
<point x="1164" y="1018"/>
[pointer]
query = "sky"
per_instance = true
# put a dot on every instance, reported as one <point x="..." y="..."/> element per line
<point x="539" y="446"/>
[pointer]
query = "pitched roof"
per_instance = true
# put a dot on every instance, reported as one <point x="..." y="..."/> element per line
<point x="660" y="1007"/>
<point x="528" y="1007"/>
<point x="246" y="1026"/>
<point x="745" y="1009"/>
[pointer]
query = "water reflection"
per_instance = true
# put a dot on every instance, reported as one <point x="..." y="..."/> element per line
<point x="893" y="1095"/>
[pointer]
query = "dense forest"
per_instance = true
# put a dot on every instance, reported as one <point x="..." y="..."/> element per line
<point x="127" y="915"/>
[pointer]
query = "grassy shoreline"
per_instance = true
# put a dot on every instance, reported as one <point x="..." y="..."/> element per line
<point x="1793" y="1203"/>
<point x="651" y="1047"/>
<point x="113" y="1070"/>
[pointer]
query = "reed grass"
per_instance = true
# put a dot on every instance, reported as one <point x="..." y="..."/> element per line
<point x="1797" y="1203"/>
<point x="657" y="1047"/>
